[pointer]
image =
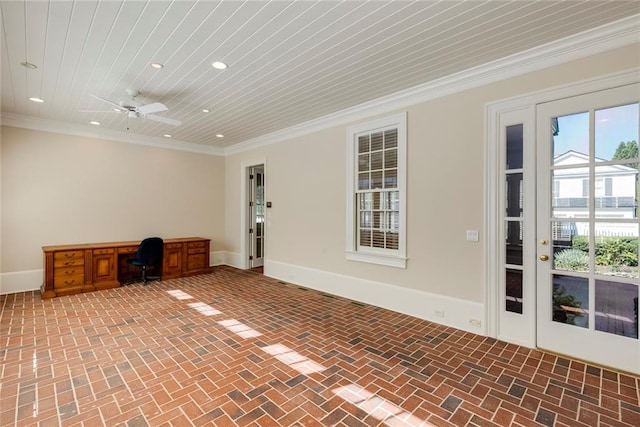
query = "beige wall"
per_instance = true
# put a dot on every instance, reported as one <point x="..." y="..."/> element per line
<point x="305" y="179"/>
<point x="59" y="189"/>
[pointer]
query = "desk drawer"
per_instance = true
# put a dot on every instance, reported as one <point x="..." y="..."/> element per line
<point x="196" y="244"/>
<point x="104" y="251"/>
<point x="196" y="261"/>
<point x="70" y="262"/>
<point x="68" y="255"/>
<point x="192" y="251"/>
<point x="128" y="250"/>
<point x="68" y="271"/>
<point x="173" y="245"/>
<point x="61" y="282"/>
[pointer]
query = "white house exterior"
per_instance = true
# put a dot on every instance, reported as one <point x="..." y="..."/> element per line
<point x="615" y="193"/>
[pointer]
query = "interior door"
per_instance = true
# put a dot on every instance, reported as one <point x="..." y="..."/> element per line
<point x="256" y="216"/>
<point x="587" y="227"/>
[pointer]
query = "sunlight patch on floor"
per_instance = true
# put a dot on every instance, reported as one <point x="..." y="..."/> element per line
<point x="176" y="293"/>
<point x="203" y="308"/>
<point x="378" y="407"/>
<point x="239" y="328"/>
<point x="294" y="359"/>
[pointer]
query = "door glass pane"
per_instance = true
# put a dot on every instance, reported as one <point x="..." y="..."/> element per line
<point x="616" y="132"/>
<point x="617" y="308"/>
<point x="570" y="192"/>
<point x="513" y="235"/>
<point x="570" y="245"/>
<point x="616" y="247"/>
<point x="513" y="195"/>
<point x="514" y="147"/>
<point x="570" y="300"/>
<point x="616" y="191"/>
<point x="571" y="134"/>
<point x="513" y="298"/>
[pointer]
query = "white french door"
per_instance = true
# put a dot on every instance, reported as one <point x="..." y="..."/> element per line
<point x="588" y="227"/>
<point x="256" y="216"/>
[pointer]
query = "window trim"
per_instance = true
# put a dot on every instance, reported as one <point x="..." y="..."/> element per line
<point x="387" y="257"/>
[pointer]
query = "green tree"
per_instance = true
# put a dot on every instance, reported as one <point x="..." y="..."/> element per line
<point x="627" y="150"/>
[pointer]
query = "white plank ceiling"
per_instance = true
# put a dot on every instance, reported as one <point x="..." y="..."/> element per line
<point x="289" y="61"/>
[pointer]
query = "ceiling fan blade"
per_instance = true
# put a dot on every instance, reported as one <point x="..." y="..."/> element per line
<point x="107" y="101"/>
<point x="165" y="120"/>
<point x="156" y="107"/>
<point x="99" y="111"/>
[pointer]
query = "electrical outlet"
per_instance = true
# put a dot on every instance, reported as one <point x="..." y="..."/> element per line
<point x="475" y="322"/>
<point x="439" y="313"/>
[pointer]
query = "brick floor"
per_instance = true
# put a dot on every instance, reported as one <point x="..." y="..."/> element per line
<point x="235" y="348"/>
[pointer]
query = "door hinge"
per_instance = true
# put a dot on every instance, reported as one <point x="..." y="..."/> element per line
<point x="250" y="257"/>
<point x="251" y="176"/>
<point x="250" y="204"/>
<point x="251" y="231"/>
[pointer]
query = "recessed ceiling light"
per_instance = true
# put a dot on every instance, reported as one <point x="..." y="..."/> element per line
<point x="219" y="65"/>
<point x="36" y="99"/>
<point x="157" y="65"/>
<point x="166" y="135"/>
<point x="93" y="122"/>
<point x="204" y="110"/>
<point x="219" y="135"/>
<point x="29" y="65"/>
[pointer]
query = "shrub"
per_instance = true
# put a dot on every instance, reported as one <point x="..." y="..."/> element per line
<point x="611" y="250"/>
<point x="571" y="259"/>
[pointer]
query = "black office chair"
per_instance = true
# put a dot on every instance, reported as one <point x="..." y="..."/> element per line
<point x="149" y="254"/>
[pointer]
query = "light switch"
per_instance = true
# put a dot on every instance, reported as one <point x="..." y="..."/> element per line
<point x="472" y="235"/>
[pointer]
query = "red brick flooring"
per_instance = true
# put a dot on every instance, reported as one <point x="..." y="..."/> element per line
<point x="236" y="348"/>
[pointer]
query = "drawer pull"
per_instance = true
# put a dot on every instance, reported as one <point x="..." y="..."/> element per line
<point x="70" y="282"/>
<point x="69" y="254"/>
<point x="69" y="272"/>
<point x="69" y="263"/>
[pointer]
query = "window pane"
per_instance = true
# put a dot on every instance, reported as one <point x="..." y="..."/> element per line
<point x="394" y="200"/>
<point x="392" y="241"/>
<point x="513" y="297"/>
<point x="376" y="160"/>
<point x="363" y="144"/>
<point x="376" y="141"/>
<point x="376" y="219"/>
<point x="514" y="146"/>
<point x="378" y="239"/>
<point x="391" y="178"/>
<point x="513" y="195"/>
<point x="617" y="308"/>
<point x="364" y="182"/>
<point x="391" y="159"/>
<point x="365" y="219"/>
<point x="365" y="238"/>
<point x="514" y="242"/>
<point x="376" y="200"/>
<point x="571" y="133"/>
<point x="363" y="162"/>
<point x="616" y="191"/>
<point x="366" y="201"/>
<point x="376" y="179"/>
<point x="391" y="138"/>
<point x="571" y="192"/>
<point x="393" y="221"/>
<point x="617" y="249"/>
<point x="571" y="300"/>
<point x="615" y="129"/>
<point x="570" y="246"/>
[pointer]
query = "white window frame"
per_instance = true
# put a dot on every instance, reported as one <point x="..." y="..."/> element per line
<point x="388" y="257"/>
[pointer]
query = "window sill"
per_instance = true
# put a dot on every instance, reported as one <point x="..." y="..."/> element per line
<point x="386" y="260"/>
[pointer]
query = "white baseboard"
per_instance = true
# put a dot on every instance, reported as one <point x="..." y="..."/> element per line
<point x="20" y="281"/>
<point x="217" y="258"/>
<point x="232" y="259"/>
<point x="457" y="313"/>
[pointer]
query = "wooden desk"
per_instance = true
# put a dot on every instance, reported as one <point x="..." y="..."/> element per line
<point x="87" y="267"/>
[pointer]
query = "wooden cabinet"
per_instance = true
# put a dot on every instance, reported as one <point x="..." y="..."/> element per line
<point x="71" y="269"/>
<point x="172" y="260"/>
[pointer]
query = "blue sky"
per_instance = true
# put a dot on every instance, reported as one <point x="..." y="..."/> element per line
<point x="613" y="125"/>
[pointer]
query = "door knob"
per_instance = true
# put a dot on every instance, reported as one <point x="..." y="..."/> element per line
<point x="544" y="257"/>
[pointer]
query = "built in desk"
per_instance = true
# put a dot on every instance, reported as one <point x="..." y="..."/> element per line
<point x="87" y="267"/>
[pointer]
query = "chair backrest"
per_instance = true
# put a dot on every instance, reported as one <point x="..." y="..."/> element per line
<point x="150" y="250"/>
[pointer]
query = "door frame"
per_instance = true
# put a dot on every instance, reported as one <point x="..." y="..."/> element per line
<point x="495" y="115"/>
<point x="244" y="202"/>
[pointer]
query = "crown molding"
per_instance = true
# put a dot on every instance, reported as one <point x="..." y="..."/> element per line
<point x="47" y="125"/>
<point x="618" y="34"/>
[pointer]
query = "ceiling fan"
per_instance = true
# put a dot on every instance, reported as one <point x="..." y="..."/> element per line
<point x="134" y="109"/>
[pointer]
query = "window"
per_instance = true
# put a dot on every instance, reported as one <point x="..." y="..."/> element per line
<point x="376" y="174"/>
